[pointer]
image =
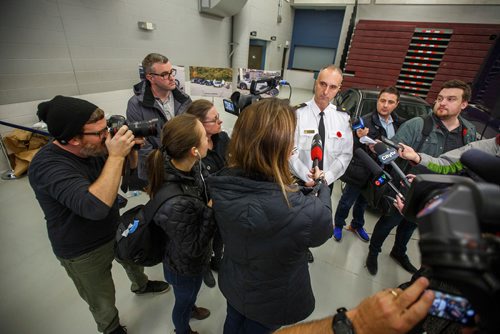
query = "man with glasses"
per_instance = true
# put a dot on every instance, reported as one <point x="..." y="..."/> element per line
<point x="156" y="97"/>
<point x="75" y="179"/>
<point x="447" y="131"/>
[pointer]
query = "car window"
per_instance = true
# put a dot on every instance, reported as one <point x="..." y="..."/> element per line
<point x="410" y="110"/>
<point x="348" y="101"/>
<point x="368" y="106"/>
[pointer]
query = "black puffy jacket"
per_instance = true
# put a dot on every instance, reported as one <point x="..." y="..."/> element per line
<point x="264" y="272"/>
<point x="188" y="223"/>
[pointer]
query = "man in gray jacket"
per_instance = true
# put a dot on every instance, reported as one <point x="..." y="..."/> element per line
<point x="156" y="97"/>
<point x="442" y="131"/>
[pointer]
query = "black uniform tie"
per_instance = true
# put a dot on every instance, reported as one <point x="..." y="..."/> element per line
<point x="321" y="130"/>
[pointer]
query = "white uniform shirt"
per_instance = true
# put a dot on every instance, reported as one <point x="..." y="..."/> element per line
<point x="338" y="148"/>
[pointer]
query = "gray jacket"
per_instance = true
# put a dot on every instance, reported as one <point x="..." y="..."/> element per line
<point x="143" y="107"/>
<point x="449" y="162"/>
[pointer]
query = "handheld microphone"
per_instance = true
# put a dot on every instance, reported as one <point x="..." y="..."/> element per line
<point x="484" y="165"/>
<point x="358" y="124"/>
<point x="387" y="157"/>
<point x="381" y="176"/>
<point x="316" y="150"/>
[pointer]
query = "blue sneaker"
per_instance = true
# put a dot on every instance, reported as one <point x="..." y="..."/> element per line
<point x="337" y="233"/>
<point x="360" y="232"/>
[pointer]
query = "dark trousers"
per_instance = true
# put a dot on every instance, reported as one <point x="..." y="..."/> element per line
<point x="185" y="291"/>
<point x="91" y="274"/>
<point x="351" y="195"/>
<point x="237" y="323"/>
<point x="384" y="226"/>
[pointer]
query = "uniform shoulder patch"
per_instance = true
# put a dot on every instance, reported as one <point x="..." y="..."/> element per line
<point x="298" y="106"/>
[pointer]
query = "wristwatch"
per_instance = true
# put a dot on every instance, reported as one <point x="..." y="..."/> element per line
<point x="341" y="323"/>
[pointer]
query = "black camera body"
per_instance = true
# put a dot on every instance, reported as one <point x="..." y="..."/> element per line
<point x="459" y="221"/>
<point x="139" y="129"/>
<point x="238" y="101"/>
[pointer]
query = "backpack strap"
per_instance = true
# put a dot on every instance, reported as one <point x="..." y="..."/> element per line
<point x="426" y="131"/>
<point x="166" y="192"/>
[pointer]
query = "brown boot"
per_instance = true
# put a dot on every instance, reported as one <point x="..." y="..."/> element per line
<point x="199" y="313"/>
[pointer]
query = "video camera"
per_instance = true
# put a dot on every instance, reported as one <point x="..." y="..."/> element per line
<point x="238" y="102"/>
<point x="139" y="129"/>
<point x="457" y="219"/>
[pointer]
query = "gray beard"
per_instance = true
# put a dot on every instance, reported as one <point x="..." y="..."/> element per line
<point x="94" y="151"/>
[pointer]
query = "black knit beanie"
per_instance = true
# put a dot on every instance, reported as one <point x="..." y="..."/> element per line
<point x="65" y="116"/>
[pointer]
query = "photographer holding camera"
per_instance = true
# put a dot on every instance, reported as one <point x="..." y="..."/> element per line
<point x="75" y="179"/>
<point x="156" y="97"/>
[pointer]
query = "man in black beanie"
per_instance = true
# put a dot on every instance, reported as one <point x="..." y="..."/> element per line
<point x="75" y="179"/>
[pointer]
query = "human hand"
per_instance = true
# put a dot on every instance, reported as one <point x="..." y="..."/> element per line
<point x="408" y="153"/>
<point x="362" y="132"/>
<point x="393" y="310"/>
<point x="315" y="174"/>
<point x="399" y="204"/>
<point x="121" y="143"/>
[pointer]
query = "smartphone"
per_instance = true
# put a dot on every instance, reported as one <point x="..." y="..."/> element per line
<point x="390" y="143"/>
<point x="452" y="307"/>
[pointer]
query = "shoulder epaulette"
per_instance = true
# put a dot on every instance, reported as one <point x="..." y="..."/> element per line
<point x="342" y="109"/>
<point x="298" y="106"/>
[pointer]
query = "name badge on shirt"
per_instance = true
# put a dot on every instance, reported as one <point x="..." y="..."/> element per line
<point x="309" y="132"/>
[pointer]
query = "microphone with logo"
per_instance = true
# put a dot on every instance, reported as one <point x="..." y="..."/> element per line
<point x="387" y="156"/>
<point x="316" y="150"/>
<point x="381" y="176"/>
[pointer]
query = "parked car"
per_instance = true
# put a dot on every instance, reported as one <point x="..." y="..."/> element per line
<point x="487" y="125"/>
<point x="218" y="83"/>
<point x="359" y="102"/>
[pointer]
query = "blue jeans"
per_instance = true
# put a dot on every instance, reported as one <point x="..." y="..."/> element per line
<point x="185" y="291"/>
<point x="351" y="195"/>
<point x="237" y="323"/>
<point x="384" y="226"/>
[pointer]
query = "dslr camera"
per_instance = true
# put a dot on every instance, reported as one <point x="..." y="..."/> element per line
<point x="139" y="129"/>
<point x="459" y="224"/>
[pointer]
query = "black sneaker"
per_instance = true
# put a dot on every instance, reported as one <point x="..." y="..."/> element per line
<point x="154" y="287"/>
<point x="310" y="257"/>
<point x="199" y="313"/>
<point x="404" y="261"/>
<point x="371" y="263"/>
<point x="119" y="330"/>
<point x="209" y="279"/>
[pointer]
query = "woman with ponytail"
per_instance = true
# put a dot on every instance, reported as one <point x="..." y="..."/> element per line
<point x="186" y="219"/>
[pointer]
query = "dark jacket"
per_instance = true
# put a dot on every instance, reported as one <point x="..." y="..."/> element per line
<point x="188" y="223"/>
<point x="264" y="273"/>
<point x="216" y="158"/>
<point x="357" y="173"/>
<point x="142" y="107"/>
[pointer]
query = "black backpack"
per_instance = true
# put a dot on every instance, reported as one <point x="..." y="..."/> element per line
<point x="138" y="239"/>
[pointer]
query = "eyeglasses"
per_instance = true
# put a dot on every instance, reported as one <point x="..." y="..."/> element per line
<point x="99" y="133"/>
<point x="449" y="99"/>
<point x="215" y="120"/>
<point x="166" y="75"/>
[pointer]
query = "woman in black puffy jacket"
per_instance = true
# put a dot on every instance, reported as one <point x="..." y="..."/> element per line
<point x="267" y="223"/>
<point x="186" y="219"/>
<point x="214" y="161"/>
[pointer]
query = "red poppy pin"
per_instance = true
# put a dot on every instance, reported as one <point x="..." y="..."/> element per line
<point x="464" y="132"/>
<point x="339" y="134"/>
